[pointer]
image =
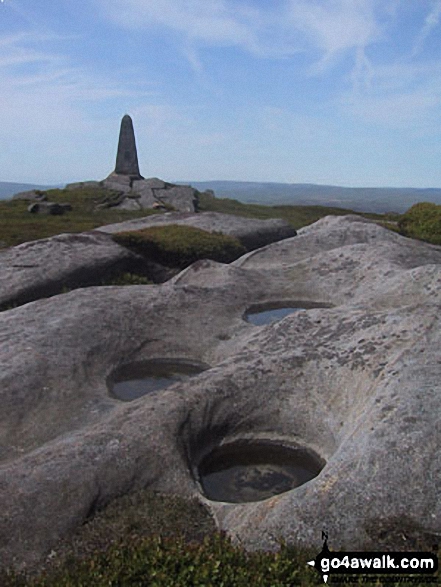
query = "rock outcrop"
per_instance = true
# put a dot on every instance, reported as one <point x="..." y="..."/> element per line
<point x="142" y="194"/>
<point x="358" y="383"/>
<point x="45" y="267"/>
<point x="252" y="233"/>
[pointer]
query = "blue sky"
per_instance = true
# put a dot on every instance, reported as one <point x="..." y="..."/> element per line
<point x="343" y="92"/>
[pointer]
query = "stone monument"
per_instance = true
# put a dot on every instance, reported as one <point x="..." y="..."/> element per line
<point x="127" y="157"/>
<point x="131" y="191"/>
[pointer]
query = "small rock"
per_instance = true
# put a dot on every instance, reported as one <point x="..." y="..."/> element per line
<point x="49" y="208"/>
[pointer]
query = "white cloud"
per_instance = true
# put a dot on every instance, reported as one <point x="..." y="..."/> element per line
<point x="209" y="21"/>
<point x="336" y="25"/>
<point x="431" y="22"/>
<point x="276" y="30"/>
<point x="404" y="95"/>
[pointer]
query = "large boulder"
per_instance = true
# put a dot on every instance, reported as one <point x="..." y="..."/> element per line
<point x="141" y="194"/>
<point x="252" y="233"/>
<point x="357" y="382"/>
<point x="48" y="266"/>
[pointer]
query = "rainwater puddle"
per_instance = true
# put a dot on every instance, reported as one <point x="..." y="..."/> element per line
<point x="269" y="313"/>
<point x="245" y="472"/>
<point x="137" y="379"/>
<point x="269" y="316"/>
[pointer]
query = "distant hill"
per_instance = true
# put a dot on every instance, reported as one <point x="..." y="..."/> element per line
<point x="8" y="189"/>
<point x="378" y="200"/>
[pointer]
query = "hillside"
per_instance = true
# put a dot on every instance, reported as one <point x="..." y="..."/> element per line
<point x="8" y="189"/>
<point x="377" y="200"/>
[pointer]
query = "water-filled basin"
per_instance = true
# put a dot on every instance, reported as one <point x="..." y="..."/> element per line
<point x="253" y="471"/>
<point x="262" y="314"/>
<point x="133" y="380"/>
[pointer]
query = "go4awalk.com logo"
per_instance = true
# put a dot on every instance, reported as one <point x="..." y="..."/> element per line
<point x="400" y="564"/>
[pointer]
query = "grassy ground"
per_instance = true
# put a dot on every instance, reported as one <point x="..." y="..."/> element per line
<point x="17" y="225"/>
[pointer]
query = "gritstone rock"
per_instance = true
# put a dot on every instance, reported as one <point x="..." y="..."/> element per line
<point x="252" y="233"/>
<point x="358" y="383"/>
<point x="47" y="266"/>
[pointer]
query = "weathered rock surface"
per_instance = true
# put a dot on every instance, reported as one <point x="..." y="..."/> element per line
<point x="44" y="267"/>
<point x="252" y="233"/>
<point x="150" y="192"/>
<point x="141" y="194"/>
<point x="359" y="383"/>
<point x="47" y="266"/>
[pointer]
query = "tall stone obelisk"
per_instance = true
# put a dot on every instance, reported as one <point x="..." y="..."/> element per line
<point x="127" y="157"/>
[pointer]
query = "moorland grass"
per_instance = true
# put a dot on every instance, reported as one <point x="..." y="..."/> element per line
<point x="175" y="245"/>
<point x="17" y="225"/>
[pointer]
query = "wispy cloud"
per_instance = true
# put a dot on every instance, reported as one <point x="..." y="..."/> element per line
<point x="276" y="30"/>
<point x="212" y="22"/>
<point x="336" y="25"/>
<point x="431" y="22"/>
<point x="401" y="95"/>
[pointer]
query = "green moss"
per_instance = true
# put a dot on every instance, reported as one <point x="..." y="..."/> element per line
<point x="422" y="221"/>
<point x="179" y="246"/>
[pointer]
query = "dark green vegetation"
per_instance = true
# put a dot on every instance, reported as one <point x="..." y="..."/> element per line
<point x="176" y="245"/>
<point x="422" y="221"/>
<point x="17" y="225"/>
<point x="128" y="279"/>
<point x="153" y="540"/>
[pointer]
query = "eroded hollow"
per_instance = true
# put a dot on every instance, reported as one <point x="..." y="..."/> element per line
<point x="261" y="314"/>
<point x="252" y="471"/>
<point x="133" y="380"/>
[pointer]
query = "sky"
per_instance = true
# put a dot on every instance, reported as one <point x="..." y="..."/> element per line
<point x="341" y="92"/>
